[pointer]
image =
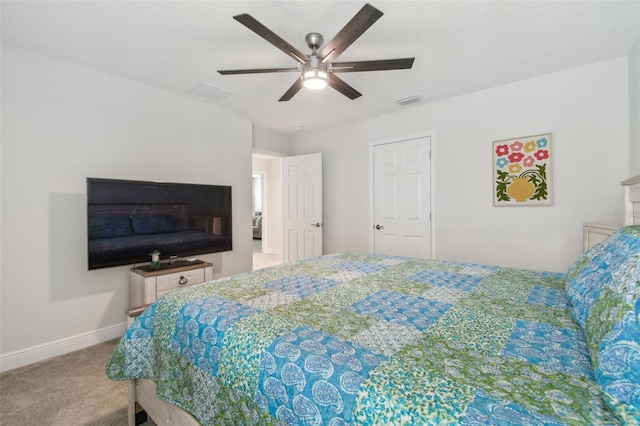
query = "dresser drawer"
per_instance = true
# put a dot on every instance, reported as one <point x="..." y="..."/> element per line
<point x="170" y="282"/>
<point x="147" y="285"/>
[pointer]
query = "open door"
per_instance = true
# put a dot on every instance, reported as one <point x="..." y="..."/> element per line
<point x="302" y="207"/>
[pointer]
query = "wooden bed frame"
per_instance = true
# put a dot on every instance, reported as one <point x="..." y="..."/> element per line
<point x="143" y="391"/>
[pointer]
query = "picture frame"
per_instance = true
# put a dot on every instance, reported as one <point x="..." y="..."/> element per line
<point x="522" y="171"/>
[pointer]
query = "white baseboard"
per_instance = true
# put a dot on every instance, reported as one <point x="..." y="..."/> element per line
<point x="273" y="251"/>
<point x="45" y="351"/>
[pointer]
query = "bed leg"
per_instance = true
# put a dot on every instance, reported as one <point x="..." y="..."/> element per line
<point x="131" y="408"/>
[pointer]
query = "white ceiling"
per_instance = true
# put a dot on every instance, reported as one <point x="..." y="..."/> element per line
<point x="459" y="46"/>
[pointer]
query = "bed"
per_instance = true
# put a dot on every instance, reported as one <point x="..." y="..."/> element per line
<point x="353" y="338"/>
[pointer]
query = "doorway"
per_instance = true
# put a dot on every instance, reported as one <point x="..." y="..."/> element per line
<point x="266" y="219"/>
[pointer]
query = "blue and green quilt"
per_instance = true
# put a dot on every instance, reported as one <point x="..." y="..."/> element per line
<point x="368" y="339"/>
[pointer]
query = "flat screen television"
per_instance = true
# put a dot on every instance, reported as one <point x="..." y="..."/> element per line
<point x="127" y="220"/>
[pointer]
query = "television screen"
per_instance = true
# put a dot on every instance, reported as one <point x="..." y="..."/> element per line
<point x="128" y="220"/>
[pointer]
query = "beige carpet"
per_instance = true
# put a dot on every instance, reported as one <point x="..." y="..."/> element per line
<point x="71" y="389"/>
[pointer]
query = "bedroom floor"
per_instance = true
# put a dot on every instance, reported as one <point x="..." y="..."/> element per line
<point x="71" y="389"/>
<point x="261" y="260"/>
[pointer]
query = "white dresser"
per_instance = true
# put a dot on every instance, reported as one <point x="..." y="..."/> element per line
<point x="149" y="285"/>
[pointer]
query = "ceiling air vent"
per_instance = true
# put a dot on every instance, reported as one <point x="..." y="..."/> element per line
<point x="210" y="91"/>
<point x="408" y="100"/>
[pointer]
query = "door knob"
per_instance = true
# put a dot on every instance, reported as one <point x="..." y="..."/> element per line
<point x="379" y="227"/>
<point x="317" y="225"/>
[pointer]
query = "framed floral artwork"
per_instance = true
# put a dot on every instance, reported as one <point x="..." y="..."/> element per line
<point x="522" y="171"/>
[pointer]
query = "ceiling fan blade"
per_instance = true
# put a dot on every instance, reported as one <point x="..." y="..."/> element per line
<point x="295" y="88"/>
<point x="264" y="32"/>
<point x="342" y="87"/>
<point x="381" y="65"/>
<point x="350" y="33"/>
<point x="258" y="71"/>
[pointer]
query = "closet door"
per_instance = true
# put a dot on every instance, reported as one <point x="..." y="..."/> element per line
<point x="401" y="198"/>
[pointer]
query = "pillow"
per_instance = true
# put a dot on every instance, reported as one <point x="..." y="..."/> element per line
<point x="155" y="224"/>
<point x="603" y="287"/>
<point x="588" y="276"/>
<point x="109" y="227"/>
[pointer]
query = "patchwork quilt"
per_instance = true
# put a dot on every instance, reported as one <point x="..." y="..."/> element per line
<point x="369" y="339"/>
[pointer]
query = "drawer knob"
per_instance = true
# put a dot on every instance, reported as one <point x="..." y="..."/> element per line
<point x="182" y="280"/>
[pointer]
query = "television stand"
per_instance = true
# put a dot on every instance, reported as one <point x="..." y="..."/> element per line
<point x="147" y="285"/>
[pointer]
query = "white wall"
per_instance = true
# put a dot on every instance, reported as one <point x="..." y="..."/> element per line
<point x="634" y="109"/>
<point x="269" y="142"/>
<point x="256" y="188"/>
<point x="62" y="122"/>
<point x="585" y="108"/>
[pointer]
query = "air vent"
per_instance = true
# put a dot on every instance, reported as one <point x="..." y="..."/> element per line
<point x="408" y="100"/>
<point x="210" y="91"/>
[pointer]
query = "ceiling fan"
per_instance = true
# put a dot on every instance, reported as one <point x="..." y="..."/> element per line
<point x="318" y="69"/>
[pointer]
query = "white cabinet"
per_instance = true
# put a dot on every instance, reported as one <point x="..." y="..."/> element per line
<point x="147" y="286"/>
<point x="594" y="233"/>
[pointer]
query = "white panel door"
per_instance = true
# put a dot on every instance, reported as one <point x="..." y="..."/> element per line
<point x="402" y="198"/>
<point x="302" y="199"/>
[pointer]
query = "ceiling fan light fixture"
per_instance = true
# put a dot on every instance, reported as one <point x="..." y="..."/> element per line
<point x="314" y="79"/>
<point x="314" y="69"/>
